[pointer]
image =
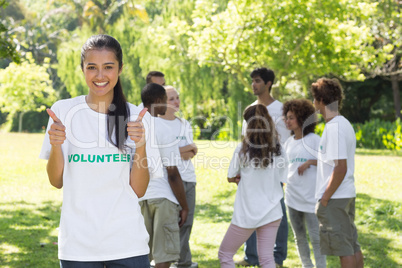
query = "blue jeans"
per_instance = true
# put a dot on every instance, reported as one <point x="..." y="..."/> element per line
<point x="281" y="243"/>
<point x="134" y="262"/>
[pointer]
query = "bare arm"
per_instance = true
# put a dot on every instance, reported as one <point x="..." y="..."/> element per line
<point x="234" y="179"/>
<point x="55" y="167"/>
<point x="176" y="184"/>
<point x="336" y="179"/>
<point x="189" y="151"/>
<point x="187" y="155"/>
<point x="139" y="175"/>
<point x="55" y="163"/>
<point x="306" y="165"/>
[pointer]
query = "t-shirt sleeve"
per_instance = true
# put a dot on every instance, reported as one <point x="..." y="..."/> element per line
<point x="275" y="112"/>
<point x="311" y="144"/>
<point x="170" y="154"/>
<point x="315" y="145"/>
<point x="155" y="167"/>
<point x="286" y="144"/>
<point x="281" y="164"/>
<point x="168" y="147"/>
<point x="189" y="132"/>
<point x="234" y="167"/>
<point x="244" y="128"/>
<point x="335" y="147"/>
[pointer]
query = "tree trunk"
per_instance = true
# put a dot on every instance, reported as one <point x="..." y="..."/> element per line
<point x="397" y="96"/>
<point x="20" y="122"/>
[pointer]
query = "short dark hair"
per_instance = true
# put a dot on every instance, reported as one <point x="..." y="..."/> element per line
<point x="153" y="73"/>
<point x="328" y="90"/>
<point x="305" y="114"/>
<point x="267" y="75"/>
<point x="151" y="93"/>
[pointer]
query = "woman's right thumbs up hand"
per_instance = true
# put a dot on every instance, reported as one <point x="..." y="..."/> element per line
<point x="57" y="131"/>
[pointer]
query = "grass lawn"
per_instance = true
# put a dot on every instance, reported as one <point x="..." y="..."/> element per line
<point x="30" y="207"/>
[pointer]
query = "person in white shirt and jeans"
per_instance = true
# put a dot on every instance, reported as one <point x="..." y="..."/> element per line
<point x="301" y="150"/>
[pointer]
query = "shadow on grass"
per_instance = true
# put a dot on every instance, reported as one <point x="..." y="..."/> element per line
<point x="378" y="152"/>
<point x="378" y="215"/>
<point x="372" y="217"/>
<point x="212" y="212"/>
<point x="217" y="209"/>
<point x="26" y="238"/>
<point x="376" y="220"/>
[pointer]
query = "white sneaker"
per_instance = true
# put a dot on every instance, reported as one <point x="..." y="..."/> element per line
<point x="193" y="265"/>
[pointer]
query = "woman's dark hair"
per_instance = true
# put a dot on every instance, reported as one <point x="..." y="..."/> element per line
<point x="329" y="91"/>
<point x="261" y="141"/>
<point x="119" y="111"/>
<point x="305" y="114"/>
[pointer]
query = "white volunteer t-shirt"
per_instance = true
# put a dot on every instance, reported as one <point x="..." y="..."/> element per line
<point x="338" y="141"/>
<point x="165" y="141"/>
<point x="275" y="110"/>
<point x="184" y="136"/>
<point x="300" y="190"/>
<point x="100" y="215"/>
<point x="259" y="191"/>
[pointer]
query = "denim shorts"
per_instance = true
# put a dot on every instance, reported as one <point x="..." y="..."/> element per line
<point x="338" y="233"/>
<point x="133" y="262"/>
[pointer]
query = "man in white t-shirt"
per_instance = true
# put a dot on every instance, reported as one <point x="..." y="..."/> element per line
<point x="335" y="188"/>
<point x="262" y="81"/>
<point x="164" y="204"/>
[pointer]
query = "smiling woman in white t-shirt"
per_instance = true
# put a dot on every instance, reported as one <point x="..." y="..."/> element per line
<point x="90" y="144"/>
<point x="258" y="165"/>
<point x="301" y="149"/>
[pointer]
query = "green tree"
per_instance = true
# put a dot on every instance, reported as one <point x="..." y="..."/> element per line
<point x="209" y="95"/>
<point x="299" y="39"/>
<point x="7" y="46"/>
<point x="123" y="29"/>
<point x="69" y="63"/>
<point x="25" y="87"/>
<point x="207" y="48"/>
<point x="386" y="27"/>
<point x="101" y="15"/>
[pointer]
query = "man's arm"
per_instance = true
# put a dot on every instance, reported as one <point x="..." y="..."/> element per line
<point x="235" y="179"/>
<point x="336" y="179"/>
<point x="189" y="151"/>
<point x="176" y="184"/>
<point x="306" y="165"/>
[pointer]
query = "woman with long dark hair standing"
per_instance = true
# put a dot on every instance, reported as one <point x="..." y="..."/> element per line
<point x="95" y="146"/>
